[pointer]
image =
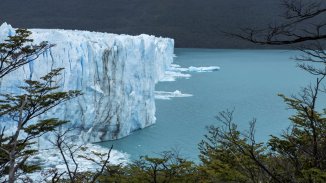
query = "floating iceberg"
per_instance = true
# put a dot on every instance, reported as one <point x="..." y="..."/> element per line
<point x="203" y="69"/>
<point x="176" y="71"/>
<point x="116" y="73"/>
<point x="178" y="68"/>
<point x="163" y="95"/>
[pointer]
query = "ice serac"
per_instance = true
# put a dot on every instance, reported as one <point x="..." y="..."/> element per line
<point x="116" y="73"/>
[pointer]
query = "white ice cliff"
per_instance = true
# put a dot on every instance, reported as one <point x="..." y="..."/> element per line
<point x="116" y="73"/>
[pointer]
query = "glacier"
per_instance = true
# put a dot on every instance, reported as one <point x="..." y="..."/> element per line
<point x="117" y="76"/>
<point x="116" y="73"/>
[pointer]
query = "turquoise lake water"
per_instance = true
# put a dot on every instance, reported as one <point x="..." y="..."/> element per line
<point x="248" y="82"/>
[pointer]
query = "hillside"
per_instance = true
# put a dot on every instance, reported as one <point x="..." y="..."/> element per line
<point x="192" y="23"/>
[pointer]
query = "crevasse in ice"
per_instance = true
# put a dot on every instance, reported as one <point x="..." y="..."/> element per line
<point x="116" y="73"/>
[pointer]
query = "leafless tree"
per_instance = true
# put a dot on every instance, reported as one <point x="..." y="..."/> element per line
<point x="303" y="20"/>
<point x="18" y="110"/>
<point x="68" y="152"/>
<point x="302" y="27"/>
<point x="298" y="155"/>
<point x="39" y="98"/>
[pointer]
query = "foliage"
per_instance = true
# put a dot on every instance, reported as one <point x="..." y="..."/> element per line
<point x="226" y="154"/>
<point x="19" y="112"/>
<point x="299" y="155"/>
<point x="169" y="167"/>
<point x="17" y="51"/>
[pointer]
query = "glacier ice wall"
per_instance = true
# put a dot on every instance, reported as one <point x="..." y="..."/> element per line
<point x="116" y="73"/>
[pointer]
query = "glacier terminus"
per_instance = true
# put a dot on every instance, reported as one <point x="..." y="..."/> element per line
<point x="116" y="73"/>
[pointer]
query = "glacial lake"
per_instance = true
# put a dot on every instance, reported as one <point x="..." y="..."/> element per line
<point x="248" y="82"/>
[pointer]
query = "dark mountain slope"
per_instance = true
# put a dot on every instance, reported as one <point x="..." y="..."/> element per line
<point x="192" y="23"/>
